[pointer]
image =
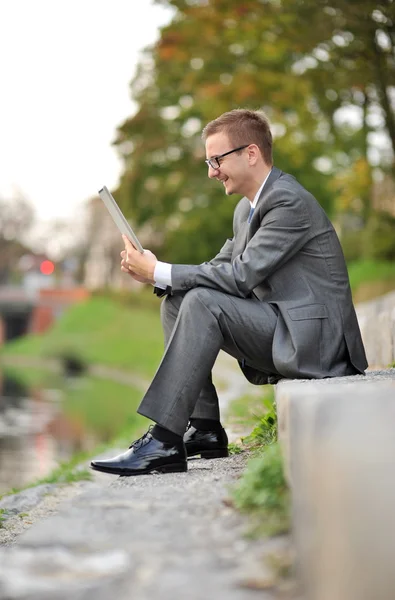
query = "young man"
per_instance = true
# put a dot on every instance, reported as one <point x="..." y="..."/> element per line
<point x="276" y="297"/>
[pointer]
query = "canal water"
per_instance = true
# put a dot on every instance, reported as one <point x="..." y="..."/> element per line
<point x="46" y="422"/>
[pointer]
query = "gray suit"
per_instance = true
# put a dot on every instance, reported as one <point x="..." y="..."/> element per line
<point x="276" y="297"/>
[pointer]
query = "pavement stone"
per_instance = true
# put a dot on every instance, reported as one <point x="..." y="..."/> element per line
<point x="171" y="536"/>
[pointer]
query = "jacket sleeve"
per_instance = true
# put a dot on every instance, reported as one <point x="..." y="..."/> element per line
<point x="284" y="229"/>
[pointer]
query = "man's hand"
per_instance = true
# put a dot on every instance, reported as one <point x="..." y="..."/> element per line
<point x="140" y="266"/>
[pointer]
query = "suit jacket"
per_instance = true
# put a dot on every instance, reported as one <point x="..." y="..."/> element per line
<point x="289" y="256"/>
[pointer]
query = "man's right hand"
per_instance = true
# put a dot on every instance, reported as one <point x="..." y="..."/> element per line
<point x="125" y="269"/>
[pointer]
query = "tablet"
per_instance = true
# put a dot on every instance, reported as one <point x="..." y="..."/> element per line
<point x="119" y="218"/>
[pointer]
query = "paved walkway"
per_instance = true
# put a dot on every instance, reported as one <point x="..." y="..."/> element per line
<point x="164" y="536"/>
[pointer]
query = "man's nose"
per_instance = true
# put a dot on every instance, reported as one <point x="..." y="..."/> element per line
<point x="212" y="173"/>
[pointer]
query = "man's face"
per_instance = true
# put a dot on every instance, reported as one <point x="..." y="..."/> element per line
<point x="233" y="171"/>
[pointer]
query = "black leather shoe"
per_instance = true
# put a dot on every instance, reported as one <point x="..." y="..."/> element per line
<point x="209" y="444"/>
<point x="144" y="456"/>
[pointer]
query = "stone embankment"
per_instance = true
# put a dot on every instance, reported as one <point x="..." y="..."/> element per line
<point x="339" y="447"/>
<point x="377" y="323"/>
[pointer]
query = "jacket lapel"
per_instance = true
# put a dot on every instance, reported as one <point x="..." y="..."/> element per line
<point x="244" y="228"/>
<point x="274" y="175"/>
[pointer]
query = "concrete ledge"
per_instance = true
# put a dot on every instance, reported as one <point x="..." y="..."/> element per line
<point x="377" y="323"/>
<point x="338" y="437"/>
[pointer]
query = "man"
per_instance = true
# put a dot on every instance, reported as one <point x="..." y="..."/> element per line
<point x="276" y="297"/>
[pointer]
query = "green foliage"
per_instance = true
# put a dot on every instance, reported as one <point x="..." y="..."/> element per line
<point x="142" y="298"/>
<point x="302" y="62"/>
<point x="246" y="411"/>
<point x="234" y="449"/>
<point x="379" y="237"/>
<point x="375" y="241"/>
<point x="265" y="430"/>
<point x="3" y="512"/>
<point x="103" y="407"/>
<point x="67" y="472"/>
<point x="262" y="492"/>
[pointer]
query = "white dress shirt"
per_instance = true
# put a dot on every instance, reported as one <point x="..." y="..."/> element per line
<point x="162" y="273"/>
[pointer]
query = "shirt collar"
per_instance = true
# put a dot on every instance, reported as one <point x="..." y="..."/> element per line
<point x="254" y="202"/>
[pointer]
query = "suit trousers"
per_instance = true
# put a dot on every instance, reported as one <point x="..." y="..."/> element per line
<point x="197" y="325"/>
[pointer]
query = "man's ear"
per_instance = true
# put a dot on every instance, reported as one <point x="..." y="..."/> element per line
<point x="253" y="154"/>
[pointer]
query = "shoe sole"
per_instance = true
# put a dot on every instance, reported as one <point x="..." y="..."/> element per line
<point x="176" y="468"/>
<point x="207" y="454"/>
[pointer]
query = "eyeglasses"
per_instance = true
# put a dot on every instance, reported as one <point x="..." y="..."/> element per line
<point x="214" y="162"/>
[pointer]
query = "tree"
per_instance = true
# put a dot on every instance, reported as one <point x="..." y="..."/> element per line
<point x="16" y="218"/>
<point x="305" y="63"/>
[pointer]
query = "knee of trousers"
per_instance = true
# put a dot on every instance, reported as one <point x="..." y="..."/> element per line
<point x="199" y="295"/>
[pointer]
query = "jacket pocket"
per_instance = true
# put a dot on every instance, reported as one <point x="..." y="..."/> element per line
<point x="310" y="311"/>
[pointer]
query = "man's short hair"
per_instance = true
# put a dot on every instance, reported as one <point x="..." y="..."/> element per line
<point x="243" y="126"/>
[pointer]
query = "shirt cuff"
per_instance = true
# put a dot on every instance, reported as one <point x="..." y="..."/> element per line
<point x="162" y="274"/>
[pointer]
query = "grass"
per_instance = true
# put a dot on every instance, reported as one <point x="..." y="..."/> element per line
<point x="3" y="512"/>
<point x="262" y="491"/>
<point x="103" y="406"/>
<point x="99" y="331"/>
<point x="67" y="472"/>
<point x="32" y="378"/>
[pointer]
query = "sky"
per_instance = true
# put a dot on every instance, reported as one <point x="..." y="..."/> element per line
<point x="65" y="73"/>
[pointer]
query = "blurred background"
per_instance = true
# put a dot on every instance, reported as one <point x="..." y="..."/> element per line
<point x="117" y="93"/>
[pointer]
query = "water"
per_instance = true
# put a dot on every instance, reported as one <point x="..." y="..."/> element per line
<point x="35" y="434"/>
<point x="42" y="425"/>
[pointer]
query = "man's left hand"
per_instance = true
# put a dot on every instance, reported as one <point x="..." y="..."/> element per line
<point x="141" y="266"/>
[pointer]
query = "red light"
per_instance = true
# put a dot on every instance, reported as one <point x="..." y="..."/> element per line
<point x="47" y="267"/>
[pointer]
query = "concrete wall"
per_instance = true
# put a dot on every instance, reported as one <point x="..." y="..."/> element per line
<point x="377" y="322"/>
<point x="339" y="448"/>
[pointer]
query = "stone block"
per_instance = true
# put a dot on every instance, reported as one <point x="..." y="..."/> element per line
<point x="377" y="323"/>
<point x="339" y="444"/>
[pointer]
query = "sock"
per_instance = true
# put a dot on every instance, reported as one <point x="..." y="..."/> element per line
<point x="165" y="435"/>
<point x="206" y="424"/>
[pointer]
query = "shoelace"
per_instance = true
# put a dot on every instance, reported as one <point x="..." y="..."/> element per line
<point x="141" y="441"/>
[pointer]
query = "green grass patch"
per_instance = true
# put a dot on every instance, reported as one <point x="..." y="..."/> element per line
<point x="67" y="472"/>
<point x="3" y="512"/>
<point x="245" y="411"/>
<point x="262" y="491"/>
<point x="235" y="449"/>
<point x="100" y="331"/>
<point x="31" y="378"/>
<point x="103" y="407"/>
<point x="255" y="412"/>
